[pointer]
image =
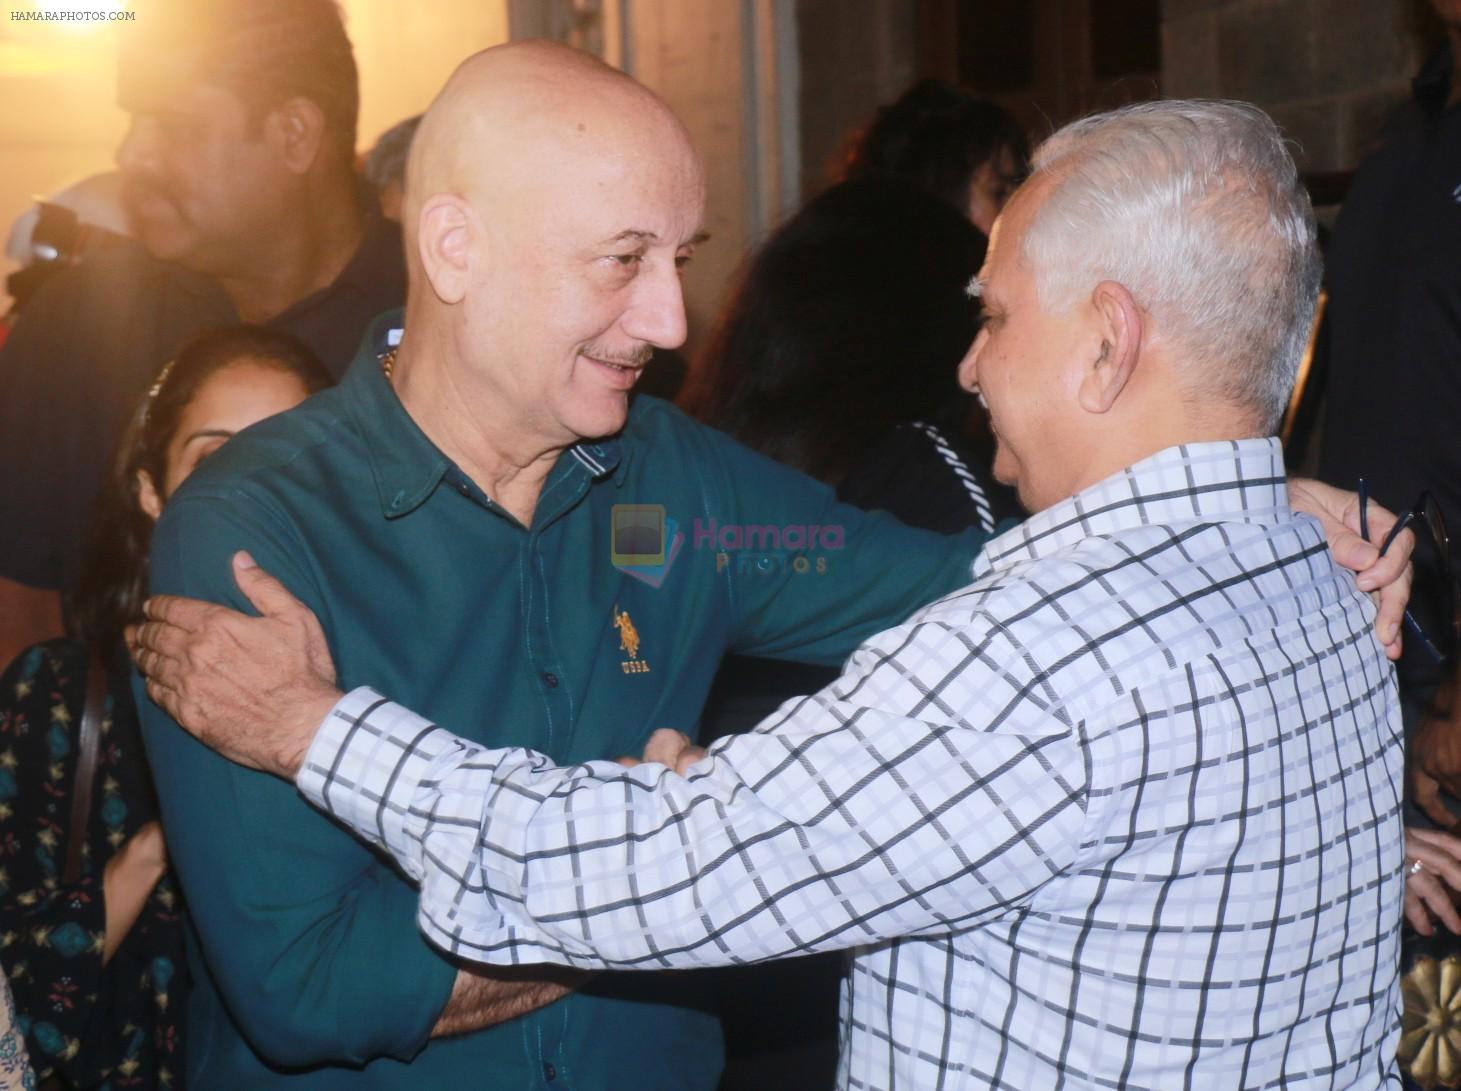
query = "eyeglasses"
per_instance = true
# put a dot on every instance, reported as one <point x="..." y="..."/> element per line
<point x="1434" y="614"/>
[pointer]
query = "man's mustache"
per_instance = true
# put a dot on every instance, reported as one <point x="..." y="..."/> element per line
<point x="638" y="358"/>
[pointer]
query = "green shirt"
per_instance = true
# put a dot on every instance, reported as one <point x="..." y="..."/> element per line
<point x="509" y="636"/>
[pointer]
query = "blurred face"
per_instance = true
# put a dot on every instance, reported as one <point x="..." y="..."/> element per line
<point x="198" y="181"/>
<point x="582" y="283"/>
<point x="1018" y="365"/>
<point x="230" y="400"/>
<point x="991" y="187"/>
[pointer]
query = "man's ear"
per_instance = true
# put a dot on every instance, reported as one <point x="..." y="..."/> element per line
<point x="1119" y="323"/>
<point x="297" y="128"/>
<point x="444" y="244"/>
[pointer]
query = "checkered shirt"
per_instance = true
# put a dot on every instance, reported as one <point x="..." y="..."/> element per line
<point x="1124" y="812"/>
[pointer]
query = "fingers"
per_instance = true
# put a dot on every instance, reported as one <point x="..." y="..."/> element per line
<point x="165" y="698"/>
<point x="664" y="746"/>
<point x="1435" y="872"/>
<point x="688" y="757"/>
<point x="159" y="651"/>
<point x="1394" y="595"/>
<point x="1415" y="913"/>
<point x="1436" y="898"/>
<point x="672" y="748"/>
<point x="270" y="597"/>
<point x="1382" y="520"/>
<point x="161" y="641"/>
<point x="1338" y="512"/>
<point x="1391" y="576"/>
<point x="1354" y="553"/>
<point x="1424" y="845"/>
<point x="1426" y="793"/>
<point x="185" y="614"/>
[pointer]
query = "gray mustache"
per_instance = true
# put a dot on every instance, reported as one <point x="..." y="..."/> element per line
<point x="638" y="358"/>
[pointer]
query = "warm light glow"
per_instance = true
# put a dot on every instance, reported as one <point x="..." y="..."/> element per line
<point x="94" y="13"/>
<point x="77" y="42"/>
<point x="97" y="12"/>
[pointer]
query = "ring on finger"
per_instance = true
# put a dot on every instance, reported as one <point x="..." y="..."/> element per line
<point x="1416" y="867"/>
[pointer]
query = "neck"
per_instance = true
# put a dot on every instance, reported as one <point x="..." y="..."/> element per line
<point x="486" y="440"/>
<point x="287" y="266"/>
<point x="1169" y="422"/>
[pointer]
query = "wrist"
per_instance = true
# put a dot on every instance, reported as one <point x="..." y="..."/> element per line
<point x="312" y="713"/>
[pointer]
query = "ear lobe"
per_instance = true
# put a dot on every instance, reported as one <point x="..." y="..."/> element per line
<point x="1120" y="326"/>
<point x="444" y="244"/>
<point x="147" y="498"/>
<point x="298" y="129"/>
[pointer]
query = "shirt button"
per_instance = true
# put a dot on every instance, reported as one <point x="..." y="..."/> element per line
<point x="551" y="681"/>
<point x="549" y="1072"/>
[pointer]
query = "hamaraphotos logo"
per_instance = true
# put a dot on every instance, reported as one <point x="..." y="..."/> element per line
<point x="644" y="541"/>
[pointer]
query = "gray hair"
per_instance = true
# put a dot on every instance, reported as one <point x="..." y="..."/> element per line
<point x="1196" y="209"/>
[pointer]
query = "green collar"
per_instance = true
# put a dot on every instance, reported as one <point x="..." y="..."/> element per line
<point x="406" y="465"/>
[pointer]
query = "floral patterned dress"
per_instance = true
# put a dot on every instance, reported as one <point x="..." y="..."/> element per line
<point x="108" y="1027"/>
<point x="15" y="1071"/>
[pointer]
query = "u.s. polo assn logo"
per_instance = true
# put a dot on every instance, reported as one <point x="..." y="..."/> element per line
<point x="629" y="643"/>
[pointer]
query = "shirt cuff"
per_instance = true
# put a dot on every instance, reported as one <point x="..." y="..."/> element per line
<point x="365" y="766"/>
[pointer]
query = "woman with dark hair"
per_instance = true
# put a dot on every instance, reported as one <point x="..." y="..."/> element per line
<point x="838" y="356"/>
<point x="90" y="933"/>
<point x="966" y="151"/>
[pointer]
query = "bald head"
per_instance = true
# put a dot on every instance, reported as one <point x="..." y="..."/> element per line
<point x="551" y="202"/>
<point x="515" y="117"/>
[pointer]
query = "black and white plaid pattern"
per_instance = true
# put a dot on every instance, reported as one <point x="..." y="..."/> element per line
<point x="1122" y="813"/>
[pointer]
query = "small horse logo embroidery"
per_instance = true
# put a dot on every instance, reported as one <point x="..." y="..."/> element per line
<point x="629" y="643"/>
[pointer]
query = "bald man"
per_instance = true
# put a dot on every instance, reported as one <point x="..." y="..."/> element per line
<point x="449" y="513"/>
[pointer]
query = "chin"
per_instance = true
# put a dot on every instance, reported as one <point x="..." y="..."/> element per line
<point x="602" y="418"/>
<point x="163" y="242"/>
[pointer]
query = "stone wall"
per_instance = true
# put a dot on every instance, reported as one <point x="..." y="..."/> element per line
<point x="1329" y="71"/>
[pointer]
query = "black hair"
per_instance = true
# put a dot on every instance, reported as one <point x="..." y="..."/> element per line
<point x="113" y="579"/>
<point x="386" y="161"/>
<point x="850" y="320"/>
<point x="263" y="51"/>
<point x="936" y="136"/>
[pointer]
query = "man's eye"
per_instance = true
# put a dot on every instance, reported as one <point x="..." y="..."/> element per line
<point x="627" y="261"/>
<point x="682" y="260"/>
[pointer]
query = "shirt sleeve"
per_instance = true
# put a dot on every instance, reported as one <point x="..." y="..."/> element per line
<point x="917" y="794"/>
<point x="863" y="571"/>
<point x="309" y="936"/>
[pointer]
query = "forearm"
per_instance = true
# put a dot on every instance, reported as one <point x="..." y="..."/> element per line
<point x="127" y="883"/>
<point x="598" y="866"/>
<point x="485" y="997"/>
